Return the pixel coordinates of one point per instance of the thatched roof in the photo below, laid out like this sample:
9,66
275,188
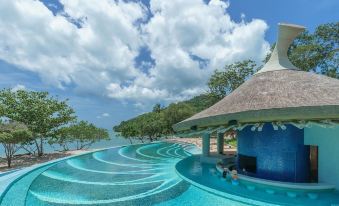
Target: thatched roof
278,92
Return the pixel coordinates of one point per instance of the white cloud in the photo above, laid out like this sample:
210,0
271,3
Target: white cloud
134,91
187,40
18,87
103,115
181,30
100,52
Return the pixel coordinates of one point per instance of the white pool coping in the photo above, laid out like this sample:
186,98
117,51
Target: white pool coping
285,185
221,193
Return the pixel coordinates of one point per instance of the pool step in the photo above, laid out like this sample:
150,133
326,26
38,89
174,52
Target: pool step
163,192
120,176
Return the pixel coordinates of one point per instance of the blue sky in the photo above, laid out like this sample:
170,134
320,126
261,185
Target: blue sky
115,59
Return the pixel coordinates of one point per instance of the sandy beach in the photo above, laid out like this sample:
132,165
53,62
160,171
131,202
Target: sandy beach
25,160
198,143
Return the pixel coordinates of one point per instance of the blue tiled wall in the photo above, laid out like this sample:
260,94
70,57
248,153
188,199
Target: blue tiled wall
281,154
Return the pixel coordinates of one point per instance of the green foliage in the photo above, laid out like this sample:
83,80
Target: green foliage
41,113
233,142
231,77
83,133
12,135
159,122
317,52
153,125
157,108
149,125
175,113
202,101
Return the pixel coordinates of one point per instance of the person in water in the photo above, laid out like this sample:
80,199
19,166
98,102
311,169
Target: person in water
235,177
227,174
224,173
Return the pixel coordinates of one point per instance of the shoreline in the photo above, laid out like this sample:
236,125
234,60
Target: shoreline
26,160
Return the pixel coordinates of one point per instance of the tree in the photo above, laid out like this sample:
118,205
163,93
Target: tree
175,113
41,113
83,134
149,126
12,134
202,101
152,126
126,130
231,77
157,108
317,52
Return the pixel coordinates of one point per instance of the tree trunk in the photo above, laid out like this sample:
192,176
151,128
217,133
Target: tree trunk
9,153
9,161
65,147
130,140
37,146
27,150
40,146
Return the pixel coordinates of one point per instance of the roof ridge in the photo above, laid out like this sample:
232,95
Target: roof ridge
279,59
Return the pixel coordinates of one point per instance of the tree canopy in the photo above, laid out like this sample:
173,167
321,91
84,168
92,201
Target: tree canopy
153,125
318,51
82,133
12,135
231,77
314,52
40,112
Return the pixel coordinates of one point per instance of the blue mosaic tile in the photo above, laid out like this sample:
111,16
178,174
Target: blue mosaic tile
281,154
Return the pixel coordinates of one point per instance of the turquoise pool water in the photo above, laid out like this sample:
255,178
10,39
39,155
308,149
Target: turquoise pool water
143,174
206,176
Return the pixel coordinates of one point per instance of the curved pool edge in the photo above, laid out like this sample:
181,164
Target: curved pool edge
8,180
215,191
286,185
206,177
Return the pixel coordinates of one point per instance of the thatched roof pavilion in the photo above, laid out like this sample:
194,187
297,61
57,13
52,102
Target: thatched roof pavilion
286,122
278,92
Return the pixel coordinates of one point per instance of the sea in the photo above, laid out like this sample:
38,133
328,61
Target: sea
115,140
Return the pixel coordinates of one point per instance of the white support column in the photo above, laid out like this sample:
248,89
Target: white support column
220,143
205,144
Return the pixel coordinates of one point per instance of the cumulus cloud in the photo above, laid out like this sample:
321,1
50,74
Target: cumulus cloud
102,50
92,46
182,34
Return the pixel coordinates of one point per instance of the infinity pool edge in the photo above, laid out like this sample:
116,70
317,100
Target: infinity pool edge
8,180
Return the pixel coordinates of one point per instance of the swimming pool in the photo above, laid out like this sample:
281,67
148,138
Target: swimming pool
143,174
248,191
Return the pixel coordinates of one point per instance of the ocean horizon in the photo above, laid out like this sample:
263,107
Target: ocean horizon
114,140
